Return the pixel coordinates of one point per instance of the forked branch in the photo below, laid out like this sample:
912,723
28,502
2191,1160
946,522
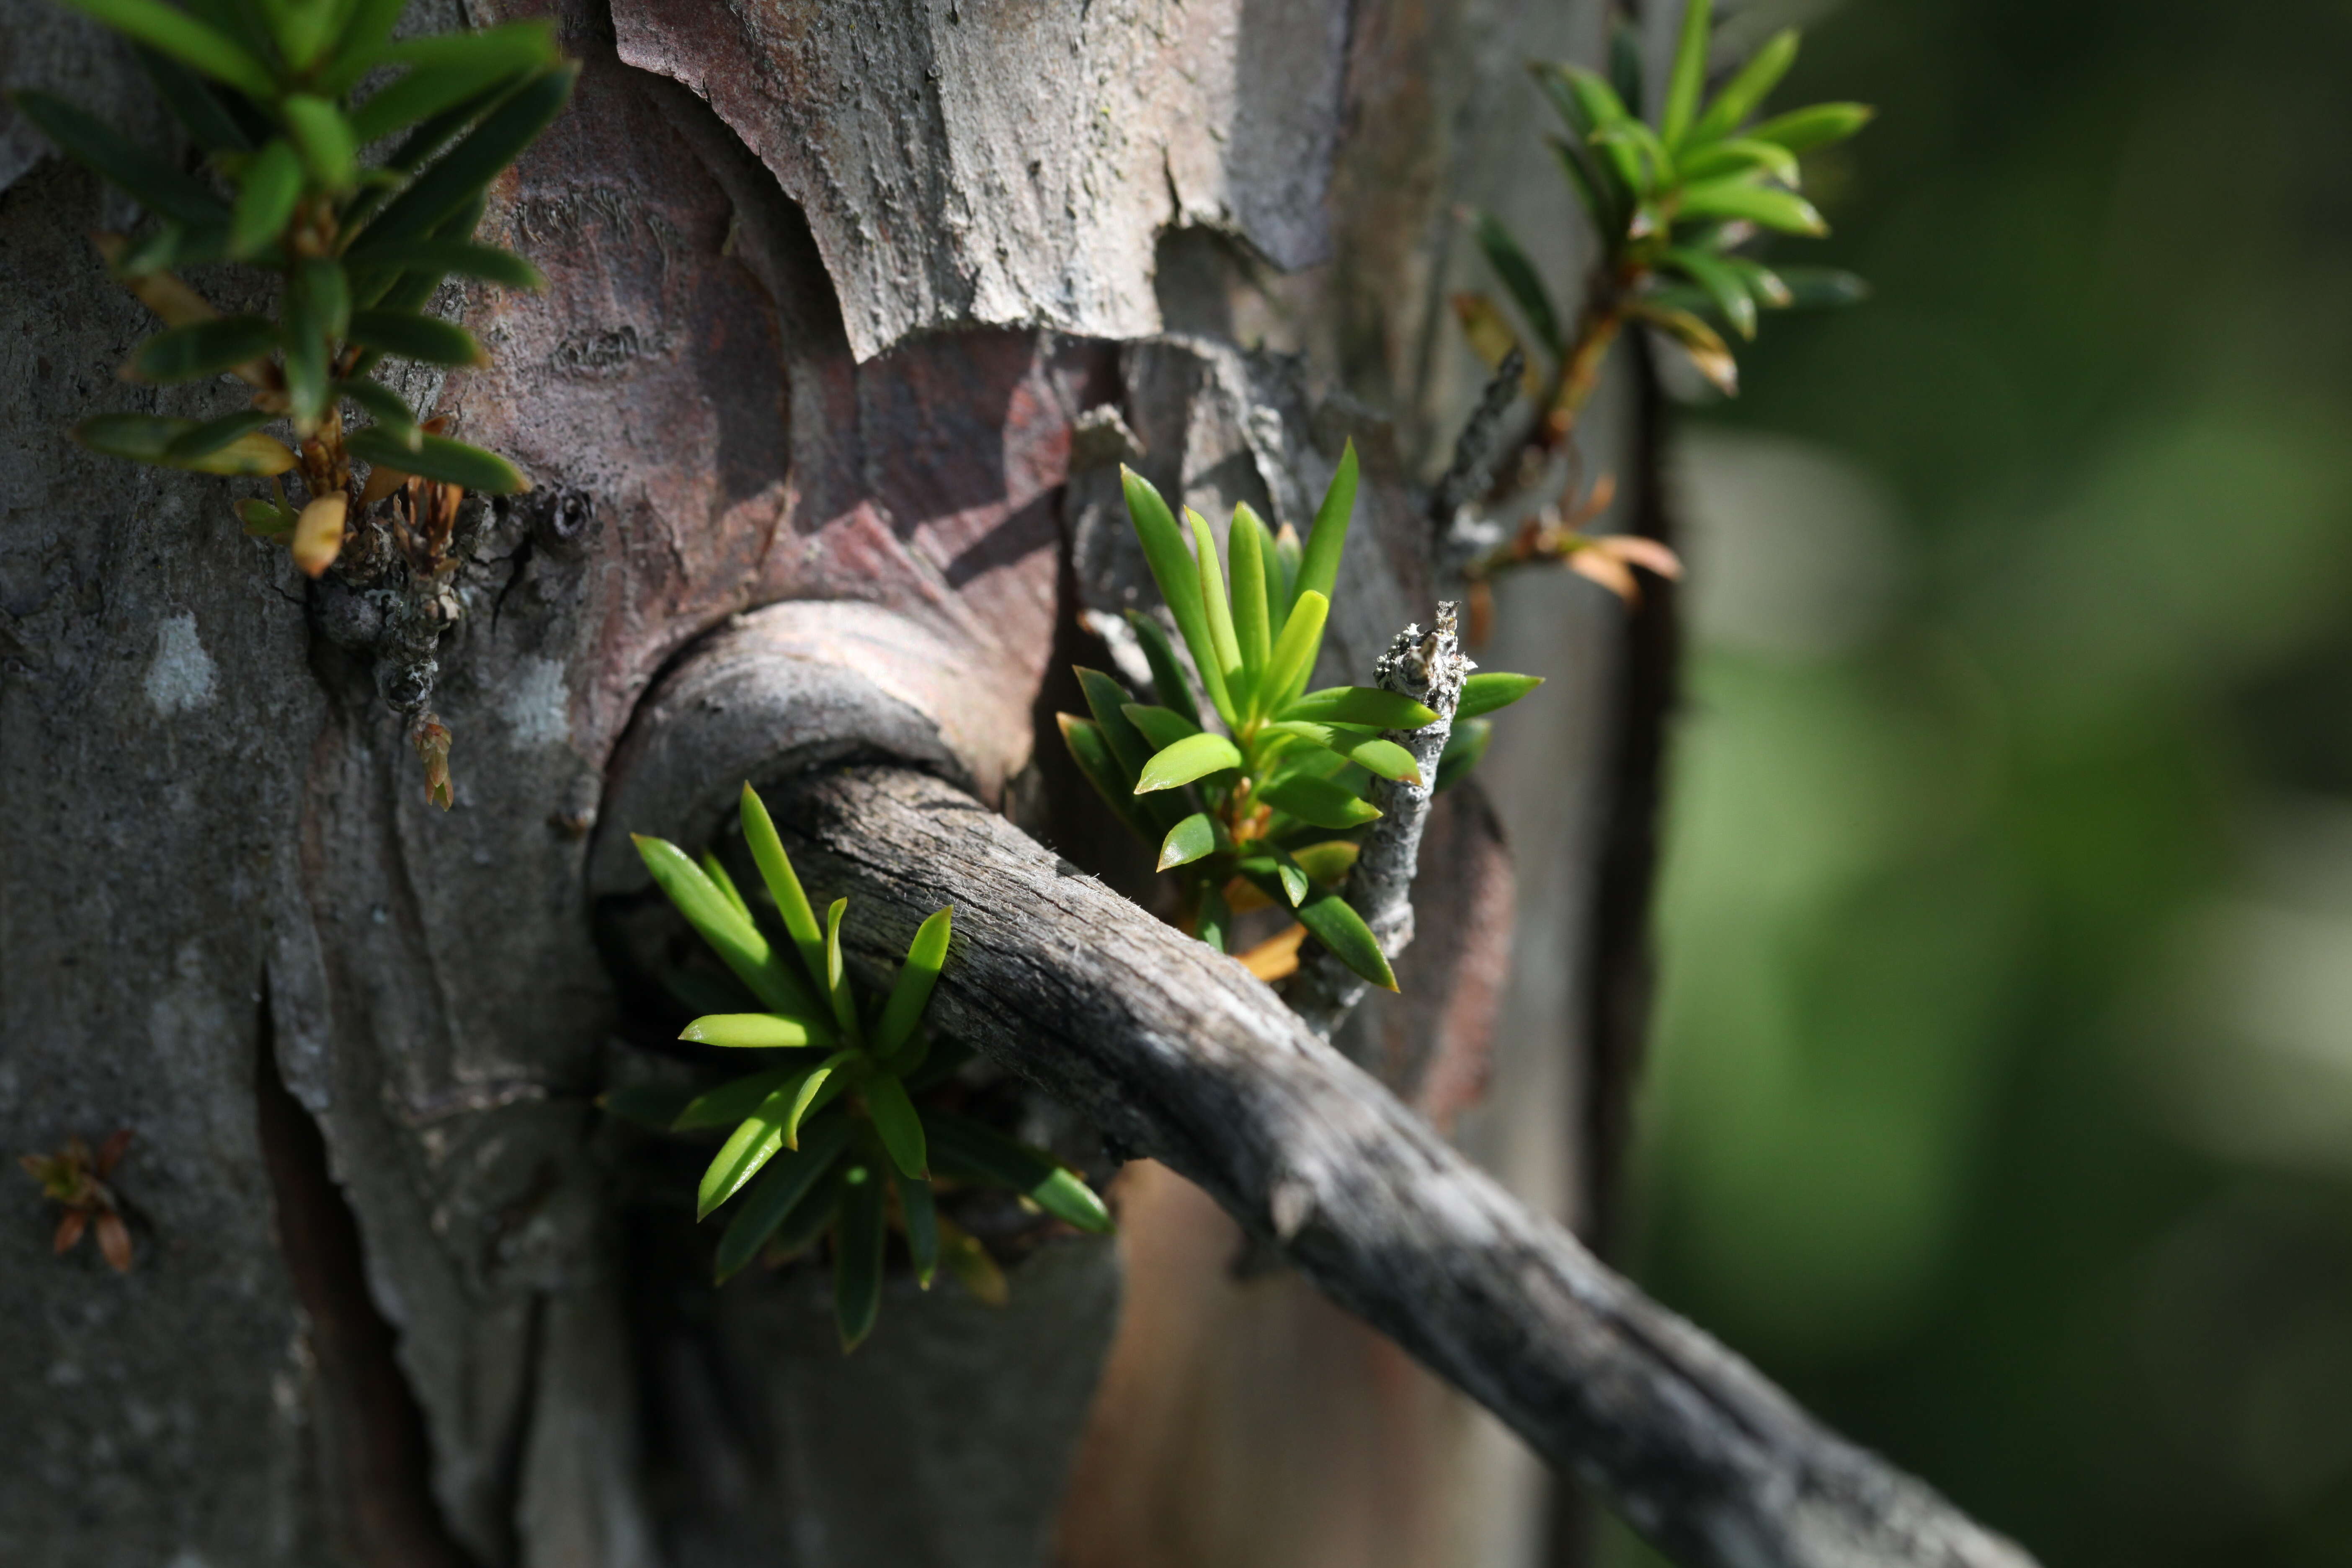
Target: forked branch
1178,1053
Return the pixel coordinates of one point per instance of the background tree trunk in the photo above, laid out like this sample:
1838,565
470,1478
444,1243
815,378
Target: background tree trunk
855,309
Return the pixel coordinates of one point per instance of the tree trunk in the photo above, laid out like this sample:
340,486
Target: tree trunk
855,311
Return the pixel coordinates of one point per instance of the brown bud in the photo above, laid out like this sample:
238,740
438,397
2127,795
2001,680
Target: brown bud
431,738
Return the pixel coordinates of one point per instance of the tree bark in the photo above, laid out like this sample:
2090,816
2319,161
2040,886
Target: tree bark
855,309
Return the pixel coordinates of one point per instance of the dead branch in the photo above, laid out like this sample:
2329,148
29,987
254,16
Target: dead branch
1476,450
1176,1052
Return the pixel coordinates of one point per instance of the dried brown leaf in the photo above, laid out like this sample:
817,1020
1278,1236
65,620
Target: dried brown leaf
1482,611
1244,897
1608,571
319,534
1597,500
114,1241
162,292
1276,958
1636,550
380,482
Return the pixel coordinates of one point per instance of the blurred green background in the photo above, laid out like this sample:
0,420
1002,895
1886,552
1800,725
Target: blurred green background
2001,1100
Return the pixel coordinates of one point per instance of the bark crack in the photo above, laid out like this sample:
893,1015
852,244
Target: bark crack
374,1455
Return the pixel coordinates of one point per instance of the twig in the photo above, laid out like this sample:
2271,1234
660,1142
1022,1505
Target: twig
1175,1051
1430,669
1470,541
1475,450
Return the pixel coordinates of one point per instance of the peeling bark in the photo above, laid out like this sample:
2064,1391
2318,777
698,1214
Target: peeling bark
374,1457
968,165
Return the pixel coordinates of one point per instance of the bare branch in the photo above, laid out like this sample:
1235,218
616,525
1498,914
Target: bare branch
1430,669
1176,1052
1480,443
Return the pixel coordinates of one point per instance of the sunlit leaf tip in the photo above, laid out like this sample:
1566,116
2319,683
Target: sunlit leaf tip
1193,757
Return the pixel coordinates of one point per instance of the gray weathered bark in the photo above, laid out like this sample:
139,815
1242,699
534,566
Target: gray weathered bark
1429,668
1178,1053
844,299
